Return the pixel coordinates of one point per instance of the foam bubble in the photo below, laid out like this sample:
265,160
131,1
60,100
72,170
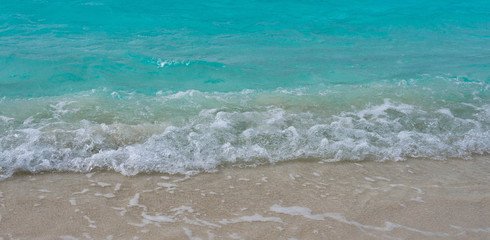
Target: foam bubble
172,62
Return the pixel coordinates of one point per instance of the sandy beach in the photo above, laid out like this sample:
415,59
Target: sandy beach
414,199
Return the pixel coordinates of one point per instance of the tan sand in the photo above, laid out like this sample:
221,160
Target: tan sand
415,199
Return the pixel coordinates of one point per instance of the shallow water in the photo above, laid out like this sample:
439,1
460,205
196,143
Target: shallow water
291,200
184,87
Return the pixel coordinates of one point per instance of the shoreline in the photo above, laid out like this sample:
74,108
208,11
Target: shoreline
413,199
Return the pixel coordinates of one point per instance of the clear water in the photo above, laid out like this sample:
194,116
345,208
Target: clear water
183,87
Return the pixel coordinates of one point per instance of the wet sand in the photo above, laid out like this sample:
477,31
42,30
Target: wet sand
414,199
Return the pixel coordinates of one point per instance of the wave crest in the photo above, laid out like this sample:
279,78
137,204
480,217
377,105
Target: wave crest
241,136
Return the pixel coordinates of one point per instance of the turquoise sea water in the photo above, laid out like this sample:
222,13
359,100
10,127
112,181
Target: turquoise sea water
181,87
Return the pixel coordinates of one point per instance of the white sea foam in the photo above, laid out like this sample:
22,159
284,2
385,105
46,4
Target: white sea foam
157,218
306,212
6,119
107,195
192,131
296,211
172,62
